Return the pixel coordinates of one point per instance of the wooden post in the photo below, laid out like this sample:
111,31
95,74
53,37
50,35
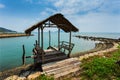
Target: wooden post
39,36
58,38
36,42
69,44
23,56
42,37
49,38
42,44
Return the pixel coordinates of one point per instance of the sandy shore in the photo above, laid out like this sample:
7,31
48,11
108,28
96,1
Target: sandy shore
99,53
8,35
14,71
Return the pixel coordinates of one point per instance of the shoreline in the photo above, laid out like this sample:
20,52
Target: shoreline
14,72
99,50
10,35
103,45
98,47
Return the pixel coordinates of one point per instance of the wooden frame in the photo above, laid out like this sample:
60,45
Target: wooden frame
60,22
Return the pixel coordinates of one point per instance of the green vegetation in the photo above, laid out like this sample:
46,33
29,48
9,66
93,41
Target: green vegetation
119,46
102,68
44,77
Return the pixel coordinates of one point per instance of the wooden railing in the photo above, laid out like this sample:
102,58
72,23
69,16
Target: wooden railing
66,46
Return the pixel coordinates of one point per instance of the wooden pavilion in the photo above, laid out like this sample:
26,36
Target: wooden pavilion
55,54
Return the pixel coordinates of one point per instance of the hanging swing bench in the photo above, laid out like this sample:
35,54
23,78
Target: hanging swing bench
52,53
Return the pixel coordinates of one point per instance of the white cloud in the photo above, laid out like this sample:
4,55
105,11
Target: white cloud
110,6
37,1
96,22
73,10
76,6
68,7
89,15
2,5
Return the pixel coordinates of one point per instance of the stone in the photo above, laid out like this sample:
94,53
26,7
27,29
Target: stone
21,78
33,76
14,77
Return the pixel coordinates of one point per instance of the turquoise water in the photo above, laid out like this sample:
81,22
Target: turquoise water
11,48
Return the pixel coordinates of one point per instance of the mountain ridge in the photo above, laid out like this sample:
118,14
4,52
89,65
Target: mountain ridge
4,30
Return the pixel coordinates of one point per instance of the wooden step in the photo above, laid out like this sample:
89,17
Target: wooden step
62,68
55,55
61,63
66,73
52,59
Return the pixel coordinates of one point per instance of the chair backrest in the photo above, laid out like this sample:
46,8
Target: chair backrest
66,46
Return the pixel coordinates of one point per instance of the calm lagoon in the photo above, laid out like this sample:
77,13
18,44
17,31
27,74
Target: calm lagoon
11,48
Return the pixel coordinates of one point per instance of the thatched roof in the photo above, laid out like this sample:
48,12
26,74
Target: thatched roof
57,19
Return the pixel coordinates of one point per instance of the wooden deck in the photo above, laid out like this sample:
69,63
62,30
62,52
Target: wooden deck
62,68
59,70
52,56
47,56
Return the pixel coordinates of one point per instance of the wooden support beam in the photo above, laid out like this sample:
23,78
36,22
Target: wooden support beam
49,38
42,37
42,44
58,38
49,34
36,42
39,36
23,56
53,26
69,44
49,25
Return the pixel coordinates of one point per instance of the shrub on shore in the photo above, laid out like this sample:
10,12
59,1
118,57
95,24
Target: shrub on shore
102,68
44,77
119,46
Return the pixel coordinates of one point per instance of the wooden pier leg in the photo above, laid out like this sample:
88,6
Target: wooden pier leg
36,42
58,38
42,43
69,44
39,36
49,38
42,37
23,56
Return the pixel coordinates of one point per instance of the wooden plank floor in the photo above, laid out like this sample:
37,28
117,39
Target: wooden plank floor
62,68
59,70
54,56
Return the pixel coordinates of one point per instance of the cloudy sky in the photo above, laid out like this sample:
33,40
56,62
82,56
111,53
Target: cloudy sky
87,15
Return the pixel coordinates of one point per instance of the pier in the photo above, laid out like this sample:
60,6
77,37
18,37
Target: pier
101,45
55,61
9,35
52,55
106,40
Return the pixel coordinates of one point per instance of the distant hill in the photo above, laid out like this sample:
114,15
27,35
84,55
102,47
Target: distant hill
4,30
